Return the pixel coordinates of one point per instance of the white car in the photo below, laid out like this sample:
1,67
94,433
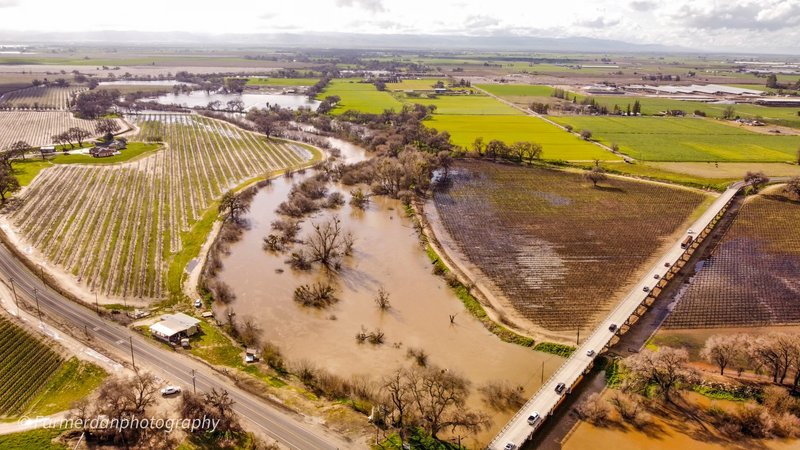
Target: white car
510,446
533,418
198,303
590,353
690,232
170,390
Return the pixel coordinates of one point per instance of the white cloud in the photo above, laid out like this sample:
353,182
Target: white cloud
761,24
373,6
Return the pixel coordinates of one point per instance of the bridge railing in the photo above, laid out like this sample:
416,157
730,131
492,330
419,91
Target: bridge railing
525,409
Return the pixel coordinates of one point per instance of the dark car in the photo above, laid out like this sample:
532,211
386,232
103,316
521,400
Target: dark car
612,327
560,387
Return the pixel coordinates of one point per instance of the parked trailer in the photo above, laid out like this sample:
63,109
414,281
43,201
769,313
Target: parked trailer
687,242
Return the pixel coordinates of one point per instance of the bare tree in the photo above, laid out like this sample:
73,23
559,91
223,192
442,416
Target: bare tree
214,405
593,410
234,205
397,394
142,391
79,135
596,174
327,242
722,350
502,395
630,409
8,183
382,299
19,149
439,397
768,352
665,367
793,187
107,127
756,180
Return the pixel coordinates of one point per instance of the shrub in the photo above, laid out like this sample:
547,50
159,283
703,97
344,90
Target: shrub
594,410
318,295
418,355
273,357
502,396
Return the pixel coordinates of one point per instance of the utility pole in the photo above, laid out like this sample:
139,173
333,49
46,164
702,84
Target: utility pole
86,331
36,296
14,290
542,372
133,361
194,384
578,340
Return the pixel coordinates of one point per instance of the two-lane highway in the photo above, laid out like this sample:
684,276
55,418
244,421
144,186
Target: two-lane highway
518,430
286,428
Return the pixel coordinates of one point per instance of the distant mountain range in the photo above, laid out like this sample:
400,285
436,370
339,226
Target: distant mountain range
337,41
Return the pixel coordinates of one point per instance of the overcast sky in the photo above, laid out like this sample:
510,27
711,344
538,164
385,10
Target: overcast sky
743,25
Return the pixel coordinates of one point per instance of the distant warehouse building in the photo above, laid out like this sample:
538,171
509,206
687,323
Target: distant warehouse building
174,327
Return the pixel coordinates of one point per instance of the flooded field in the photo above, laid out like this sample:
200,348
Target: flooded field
387,254
200,98
667,432
143,83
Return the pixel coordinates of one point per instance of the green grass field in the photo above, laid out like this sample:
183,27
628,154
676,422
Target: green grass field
653,105
518,90
134,150
359,96
26,170
74,380
467,104
684,139
424,84
653,171
556,143
282,81
41,439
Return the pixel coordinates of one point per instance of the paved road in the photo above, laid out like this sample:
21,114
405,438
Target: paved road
517,431
284,427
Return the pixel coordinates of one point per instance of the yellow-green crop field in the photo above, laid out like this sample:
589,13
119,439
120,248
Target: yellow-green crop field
684,139
557,144
260,81
467,104
359,96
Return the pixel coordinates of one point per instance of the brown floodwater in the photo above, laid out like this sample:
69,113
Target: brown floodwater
387,254
668,433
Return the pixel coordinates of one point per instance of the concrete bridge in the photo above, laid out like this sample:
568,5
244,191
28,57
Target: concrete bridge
545,401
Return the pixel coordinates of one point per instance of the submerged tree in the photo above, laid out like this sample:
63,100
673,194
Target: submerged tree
328,242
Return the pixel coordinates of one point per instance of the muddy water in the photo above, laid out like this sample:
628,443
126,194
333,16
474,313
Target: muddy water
200,98
387,253
669,433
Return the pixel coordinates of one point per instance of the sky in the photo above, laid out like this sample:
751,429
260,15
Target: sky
731,25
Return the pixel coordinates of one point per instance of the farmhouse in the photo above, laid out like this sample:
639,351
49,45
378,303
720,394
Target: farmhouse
109,149
173,327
